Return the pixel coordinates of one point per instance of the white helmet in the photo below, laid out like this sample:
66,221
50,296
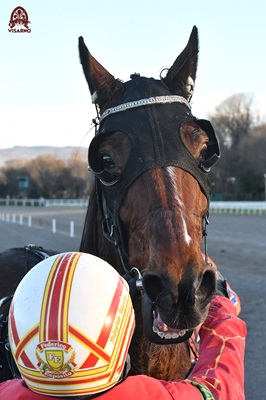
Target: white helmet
70,325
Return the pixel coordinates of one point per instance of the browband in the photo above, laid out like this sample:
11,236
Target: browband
145,102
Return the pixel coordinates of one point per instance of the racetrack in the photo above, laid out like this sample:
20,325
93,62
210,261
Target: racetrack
237,243
40,233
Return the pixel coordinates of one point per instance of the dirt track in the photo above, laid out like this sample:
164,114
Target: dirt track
237,243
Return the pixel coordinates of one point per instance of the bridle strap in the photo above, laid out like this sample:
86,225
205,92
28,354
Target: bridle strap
205,222
110,229
145,102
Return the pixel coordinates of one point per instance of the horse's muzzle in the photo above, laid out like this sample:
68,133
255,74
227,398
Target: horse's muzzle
174,337
172,310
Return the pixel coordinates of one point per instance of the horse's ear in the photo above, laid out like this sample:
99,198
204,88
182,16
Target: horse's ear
101,83
181,76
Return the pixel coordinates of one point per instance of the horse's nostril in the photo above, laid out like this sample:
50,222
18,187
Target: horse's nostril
153,286
207,285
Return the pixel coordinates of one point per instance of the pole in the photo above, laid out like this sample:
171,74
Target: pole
71,228
265,186
54,225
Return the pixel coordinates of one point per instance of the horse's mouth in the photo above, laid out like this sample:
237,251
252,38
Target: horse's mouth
156,330
164,331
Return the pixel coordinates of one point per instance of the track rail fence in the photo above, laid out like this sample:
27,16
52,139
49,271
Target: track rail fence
43,202
68,226
238,207
51,224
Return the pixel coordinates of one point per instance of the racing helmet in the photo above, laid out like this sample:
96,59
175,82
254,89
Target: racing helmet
70,325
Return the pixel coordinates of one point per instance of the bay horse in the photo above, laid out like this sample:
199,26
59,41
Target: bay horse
150,158
14,264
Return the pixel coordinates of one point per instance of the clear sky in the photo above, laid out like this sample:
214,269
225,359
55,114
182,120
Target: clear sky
44,99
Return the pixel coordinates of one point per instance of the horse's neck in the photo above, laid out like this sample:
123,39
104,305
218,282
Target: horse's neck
93,241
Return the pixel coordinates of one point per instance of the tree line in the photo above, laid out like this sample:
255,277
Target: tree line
239,174
47,177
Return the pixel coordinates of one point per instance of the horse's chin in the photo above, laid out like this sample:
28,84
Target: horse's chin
156,330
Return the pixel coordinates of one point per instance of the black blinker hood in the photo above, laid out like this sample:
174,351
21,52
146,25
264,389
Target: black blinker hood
154,131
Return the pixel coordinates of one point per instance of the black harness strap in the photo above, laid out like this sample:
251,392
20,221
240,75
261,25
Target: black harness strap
110,229
4,311
5,353
37,251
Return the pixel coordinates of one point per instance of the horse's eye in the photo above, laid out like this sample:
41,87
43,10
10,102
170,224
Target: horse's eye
204,150
107,162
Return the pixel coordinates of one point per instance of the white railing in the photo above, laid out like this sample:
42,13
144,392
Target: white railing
53,225
219,207
238,207
44,202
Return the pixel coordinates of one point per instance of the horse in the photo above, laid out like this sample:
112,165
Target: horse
149,204
14,264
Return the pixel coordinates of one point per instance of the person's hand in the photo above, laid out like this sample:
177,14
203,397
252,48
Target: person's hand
221,285
223,289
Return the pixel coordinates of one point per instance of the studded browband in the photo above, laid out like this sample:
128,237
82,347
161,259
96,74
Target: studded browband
145,102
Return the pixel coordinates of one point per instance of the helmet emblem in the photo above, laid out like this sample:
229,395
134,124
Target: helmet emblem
56,359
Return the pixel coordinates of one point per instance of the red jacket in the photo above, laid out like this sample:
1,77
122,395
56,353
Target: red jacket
218,374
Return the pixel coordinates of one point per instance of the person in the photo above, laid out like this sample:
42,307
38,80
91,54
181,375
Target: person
70,326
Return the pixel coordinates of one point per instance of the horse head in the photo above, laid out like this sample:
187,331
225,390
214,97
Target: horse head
151,158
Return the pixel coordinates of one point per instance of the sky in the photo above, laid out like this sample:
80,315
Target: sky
44,98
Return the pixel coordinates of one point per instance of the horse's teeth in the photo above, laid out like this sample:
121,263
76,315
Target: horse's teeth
175,335
168,335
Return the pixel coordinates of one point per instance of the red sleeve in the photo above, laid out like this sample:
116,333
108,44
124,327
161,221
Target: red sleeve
143,387
16,389
220,367
222,345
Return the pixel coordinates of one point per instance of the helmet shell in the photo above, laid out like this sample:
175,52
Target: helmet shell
70,325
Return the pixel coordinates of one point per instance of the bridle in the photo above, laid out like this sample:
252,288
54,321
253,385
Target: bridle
166,149
110,188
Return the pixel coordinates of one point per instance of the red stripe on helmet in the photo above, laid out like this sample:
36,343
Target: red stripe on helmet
20,346
101,353
92,359
57,303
